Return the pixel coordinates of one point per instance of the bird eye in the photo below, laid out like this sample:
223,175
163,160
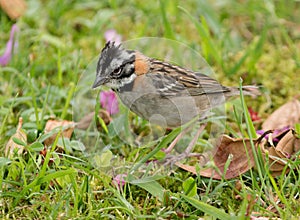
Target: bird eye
117,71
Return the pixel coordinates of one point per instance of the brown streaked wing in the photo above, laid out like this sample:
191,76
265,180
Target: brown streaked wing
172,80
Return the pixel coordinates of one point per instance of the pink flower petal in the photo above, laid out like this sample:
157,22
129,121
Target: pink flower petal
112,35
109,102
274,133
119,180
10,45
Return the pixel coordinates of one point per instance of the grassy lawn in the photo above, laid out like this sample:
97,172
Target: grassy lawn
112,168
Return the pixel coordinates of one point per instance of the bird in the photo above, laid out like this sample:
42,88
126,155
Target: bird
161,92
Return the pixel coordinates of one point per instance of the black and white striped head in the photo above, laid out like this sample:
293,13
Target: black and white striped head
115,67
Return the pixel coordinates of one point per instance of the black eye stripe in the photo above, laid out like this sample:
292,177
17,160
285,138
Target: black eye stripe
118,71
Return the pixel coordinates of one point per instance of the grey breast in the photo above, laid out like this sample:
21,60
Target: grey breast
169,111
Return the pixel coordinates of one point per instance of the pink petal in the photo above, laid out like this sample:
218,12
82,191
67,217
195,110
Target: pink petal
6,57
119,180
109,102
112,35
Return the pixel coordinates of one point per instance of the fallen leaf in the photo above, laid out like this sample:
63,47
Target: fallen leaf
251,201
19,136
289,144
279,204
13,8
66,126
277,141
241,159
279,155
85,122
286,115
258,217
237,189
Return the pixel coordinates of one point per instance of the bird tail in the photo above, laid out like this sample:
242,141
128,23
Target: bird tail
247,90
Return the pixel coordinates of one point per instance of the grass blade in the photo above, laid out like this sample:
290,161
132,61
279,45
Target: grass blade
161,145
206,38
70,95
167,26
207,209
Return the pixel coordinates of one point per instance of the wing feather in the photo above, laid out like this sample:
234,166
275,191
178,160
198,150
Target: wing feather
172,80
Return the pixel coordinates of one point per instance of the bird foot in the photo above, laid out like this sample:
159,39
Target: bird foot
171,160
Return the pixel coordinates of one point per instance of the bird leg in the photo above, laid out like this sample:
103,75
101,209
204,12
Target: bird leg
175,141
171,159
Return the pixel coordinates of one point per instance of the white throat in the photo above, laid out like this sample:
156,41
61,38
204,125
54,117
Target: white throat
118,83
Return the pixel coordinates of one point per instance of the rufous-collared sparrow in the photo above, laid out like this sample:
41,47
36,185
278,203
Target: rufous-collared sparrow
158,91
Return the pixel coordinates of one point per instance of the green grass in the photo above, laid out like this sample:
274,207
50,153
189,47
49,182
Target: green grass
256,41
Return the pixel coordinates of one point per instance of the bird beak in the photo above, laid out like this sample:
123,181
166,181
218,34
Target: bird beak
99,81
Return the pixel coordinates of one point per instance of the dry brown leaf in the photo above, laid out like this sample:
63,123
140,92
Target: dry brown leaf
208,172
287,146
287,115
11,146
13,8
67,127
241,159
85,122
